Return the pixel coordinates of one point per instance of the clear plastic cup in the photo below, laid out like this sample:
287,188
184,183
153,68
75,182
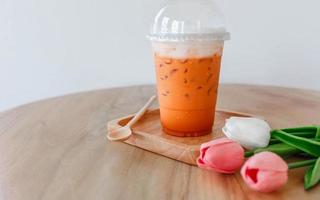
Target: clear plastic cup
187,39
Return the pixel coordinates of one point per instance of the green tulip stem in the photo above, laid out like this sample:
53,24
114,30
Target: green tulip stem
301,163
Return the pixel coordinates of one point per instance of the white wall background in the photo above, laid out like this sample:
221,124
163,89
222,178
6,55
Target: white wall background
53,47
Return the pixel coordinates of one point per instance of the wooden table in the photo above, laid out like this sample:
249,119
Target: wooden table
57,148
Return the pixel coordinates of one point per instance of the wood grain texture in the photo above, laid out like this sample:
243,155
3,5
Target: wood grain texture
57,148
148,135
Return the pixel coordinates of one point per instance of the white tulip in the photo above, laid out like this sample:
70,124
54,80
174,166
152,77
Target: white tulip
250,132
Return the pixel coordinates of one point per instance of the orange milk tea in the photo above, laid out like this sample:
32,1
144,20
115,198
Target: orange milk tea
187,84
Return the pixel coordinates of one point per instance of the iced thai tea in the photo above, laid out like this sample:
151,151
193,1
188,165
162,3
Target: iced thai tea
187,86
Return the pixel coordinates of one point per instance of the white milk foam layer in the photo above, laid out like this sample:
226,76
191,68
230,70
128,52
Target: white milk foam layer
187,49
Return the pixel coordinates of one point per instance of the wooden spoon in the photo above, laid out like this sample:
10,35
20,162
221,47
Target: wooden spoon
125,132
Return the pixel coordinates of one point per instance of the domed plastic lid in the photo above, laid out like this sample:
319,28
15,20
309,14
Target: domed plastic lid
189,20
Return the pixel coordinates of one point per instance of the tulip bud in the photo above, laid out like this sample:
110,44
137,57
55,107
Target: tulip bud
222,155
265,172
249,132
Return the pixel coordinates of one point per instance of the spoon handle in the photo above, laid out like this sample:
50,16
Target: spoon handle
141,112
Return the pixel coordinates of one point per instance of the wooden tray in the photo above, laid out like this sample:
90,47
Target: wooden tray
148,134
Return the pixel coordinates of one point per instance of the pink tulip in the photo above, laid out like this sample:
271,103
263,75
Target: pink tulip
265,172
221,155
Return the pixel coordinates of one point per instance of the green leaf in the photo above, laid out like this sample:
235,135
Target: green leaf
312,176
310,129
309,146
276,141
310,134
318,133
307,178
305,131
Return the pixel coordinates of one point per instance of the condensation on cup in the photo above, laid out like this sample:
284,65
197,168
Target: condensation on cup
187,38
